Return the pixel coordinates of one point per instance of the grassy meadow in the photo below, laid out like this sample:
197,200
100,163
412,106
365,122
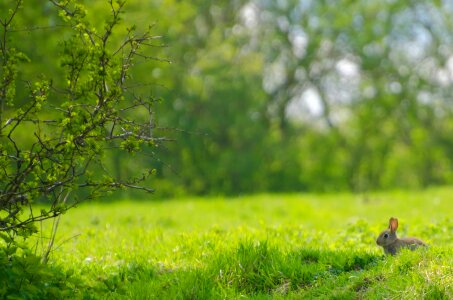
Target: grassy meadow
297,246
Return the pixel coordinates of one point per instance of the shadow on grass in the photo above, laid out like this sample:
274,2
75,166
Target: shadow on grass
254,269
260,270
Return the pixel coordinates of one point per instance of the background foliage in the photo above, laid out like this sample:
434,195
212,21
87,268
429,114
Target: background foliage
283,95
306,95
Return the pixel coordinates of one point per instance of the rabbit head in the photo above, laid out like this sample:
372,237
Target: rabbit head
388,236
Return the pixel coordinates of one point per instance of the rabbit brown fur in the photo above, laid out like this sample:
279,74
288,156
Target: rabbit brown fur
392,244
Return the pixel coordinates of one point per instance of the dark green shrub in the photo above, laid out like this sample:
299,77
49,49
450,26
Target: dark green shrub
24,276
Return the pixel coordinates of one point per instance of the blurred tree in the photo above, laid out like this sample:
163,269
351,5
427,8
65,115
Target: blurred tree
353,77
306,95
217,102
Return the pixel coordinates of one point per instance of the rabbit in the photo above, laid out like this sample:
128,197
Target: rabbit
392,244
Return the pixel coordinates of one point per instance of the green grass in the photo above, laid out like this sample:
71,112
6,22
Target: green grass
258,247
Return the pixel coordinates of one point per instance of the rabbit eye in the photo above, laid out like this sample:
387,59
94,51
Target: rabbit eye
386,235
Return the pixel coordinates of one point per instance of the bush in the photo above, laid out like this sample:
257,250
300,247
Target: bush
24,276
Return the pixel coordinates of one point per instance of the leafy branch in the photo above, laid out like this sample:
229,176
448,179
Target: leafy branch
54,146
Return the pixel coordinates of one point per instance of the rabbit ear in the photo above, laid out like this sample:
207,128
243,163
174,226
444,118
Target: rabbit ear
393,224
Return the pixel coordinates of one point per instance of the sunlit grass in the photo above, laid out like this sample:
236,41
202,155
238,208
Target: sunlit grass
275,246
